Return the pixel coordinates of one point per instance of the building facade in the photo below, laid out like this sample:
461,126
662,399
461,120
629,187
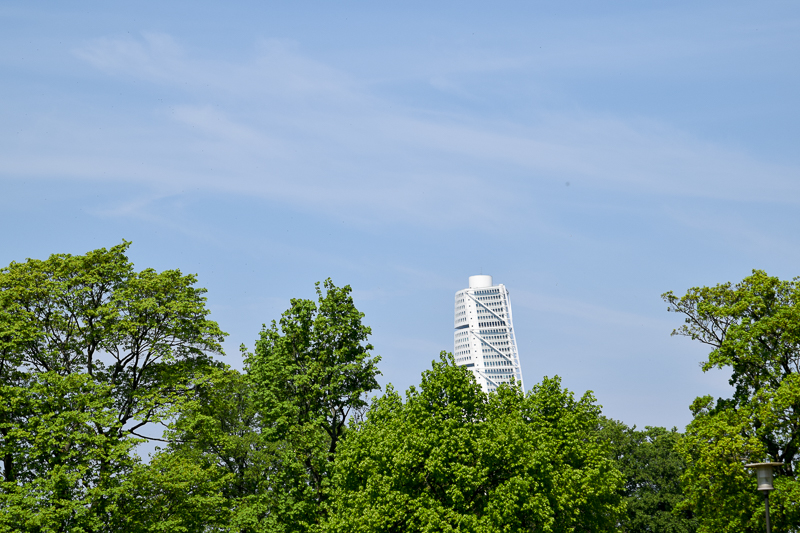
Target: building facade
484,339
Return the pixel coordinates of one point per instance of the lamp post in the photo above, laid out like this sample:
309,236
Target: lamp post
764,477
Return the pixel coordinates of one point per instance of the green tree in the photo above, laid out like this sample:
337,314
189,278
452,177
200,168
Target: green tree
452,458
652,466
67,475
90,352
221,435
753,330
173,493
309,372
263,440
719,490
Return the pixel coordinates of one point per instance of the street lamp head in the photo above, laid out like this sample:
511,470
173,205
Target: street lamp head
764,474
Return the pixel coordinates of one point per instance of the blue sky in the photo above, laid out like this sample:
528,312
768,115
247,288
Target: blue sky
590,156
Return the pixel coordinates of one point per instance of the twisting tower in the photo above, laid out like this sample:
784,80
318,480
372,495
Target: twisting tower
484,338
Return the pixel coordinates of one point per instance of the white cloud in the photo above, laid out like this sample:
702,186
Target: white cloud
291,129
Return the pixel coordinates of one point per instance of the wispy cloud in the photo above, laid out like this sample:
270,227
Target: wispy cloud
291,129
276,69
587,312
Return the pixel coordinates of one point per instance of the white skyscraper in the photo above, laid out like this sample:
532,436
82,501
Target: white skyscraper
484,338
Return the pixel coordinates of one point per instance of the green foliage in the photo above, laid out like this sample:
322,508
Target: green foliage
174,494
314,367
451,458
652,467
222,428
753,329
309,373
143,333
256,448
63,472
221,433
90,352
719,490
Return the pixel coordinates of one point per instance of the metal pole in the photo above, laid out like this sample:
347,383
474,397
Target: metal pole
766,509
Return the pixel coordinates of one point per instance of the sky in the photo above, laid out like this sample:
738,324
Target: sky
589,155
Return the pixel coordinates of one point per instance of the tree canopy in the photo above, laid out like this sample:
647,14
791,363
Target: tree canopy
261,444
91,351
652,465
452,458
753,329
310,371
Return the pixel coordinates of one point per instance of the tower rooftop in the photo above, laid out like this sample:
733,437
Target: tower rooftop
480,281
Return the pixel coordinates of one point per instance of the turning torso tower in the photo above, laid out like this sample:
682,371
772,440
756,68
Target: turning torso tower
484,338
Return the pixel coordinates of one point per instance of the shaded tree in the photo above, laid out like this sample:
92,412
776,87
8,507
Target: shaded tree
220,439
652,465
